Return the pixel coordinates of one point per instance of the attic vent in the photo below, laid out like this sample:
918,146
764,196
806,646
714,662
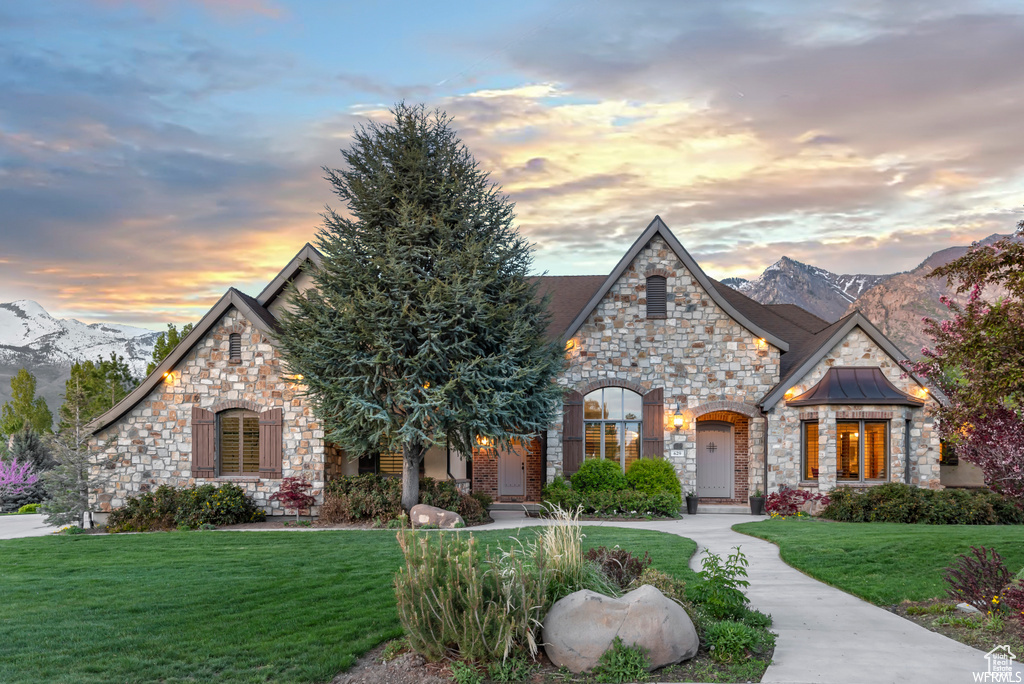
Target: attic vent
656,307
235,346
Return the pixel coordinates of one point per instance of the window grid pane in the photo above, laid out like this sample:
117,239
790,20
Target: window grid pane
592,404
613,403
874,451
592,440
810,451
632,443
848,451
250,444
612,441
230,441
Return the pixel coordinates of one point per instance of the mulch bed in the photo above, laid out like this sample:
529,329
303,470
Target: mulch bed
979,635
411,668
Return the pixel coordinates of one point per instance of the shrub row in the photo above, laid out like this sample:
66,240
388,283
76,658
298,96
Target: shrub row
168,507
900,503
375,497
649,487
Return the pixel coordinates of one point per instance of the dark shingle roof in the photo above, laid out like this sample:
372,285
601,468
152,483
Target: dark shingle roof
569,294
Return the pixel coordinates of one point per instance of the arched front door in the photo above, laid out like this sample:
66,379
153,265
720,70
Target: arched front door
715,460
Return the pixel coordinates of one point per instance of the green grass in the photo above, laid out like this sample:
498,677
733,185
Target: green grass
216,606
883,563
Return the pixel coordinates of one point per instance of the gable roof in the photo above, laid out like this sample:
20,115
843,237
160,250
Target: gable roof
658,227
276,286
246,305
813,349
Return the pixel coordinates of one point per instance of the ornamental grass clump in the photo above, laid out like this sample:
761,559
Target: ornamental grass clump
455,601
561,544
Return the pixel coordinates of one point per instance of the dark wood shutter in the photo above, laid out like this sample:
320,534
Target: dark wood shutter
572,433
656,297
654,423
204,443
271,441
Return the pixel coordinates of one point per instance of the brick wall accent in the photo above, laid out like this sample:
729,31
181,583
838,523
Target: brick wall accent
227,405
485,472
611,382
741,457
863,415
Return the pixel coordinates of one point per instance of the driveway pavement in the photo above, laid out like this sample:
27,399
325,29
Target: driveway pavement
14,526
824,634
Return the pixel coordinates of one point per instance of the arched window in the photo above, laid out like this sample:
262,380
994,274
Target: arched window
657,298
235,347
612,427
238,443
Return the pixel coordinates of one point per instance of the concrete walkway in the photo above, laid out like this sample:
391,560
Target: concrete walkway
824,634
15,526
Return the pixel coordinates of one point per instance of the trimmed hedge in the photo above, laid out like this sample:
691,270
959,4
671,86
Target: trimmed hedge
599,475
654,476
656,490
375,497
900,503
167,507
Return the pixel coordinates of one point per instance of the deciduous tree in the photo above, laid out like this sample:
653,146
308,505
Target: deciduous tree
977,361
423,325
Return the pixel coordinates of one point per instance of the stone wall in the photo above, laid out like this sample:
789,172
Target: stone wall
857,349
698,354
152,444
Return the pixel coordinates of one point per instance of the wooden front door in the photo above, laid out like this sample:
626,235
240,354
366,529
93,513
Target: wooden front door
512,472
715,460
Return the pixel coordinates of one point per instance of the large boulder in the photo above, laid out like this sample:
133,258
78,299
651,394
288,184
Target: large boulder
422,514
582,626
812,508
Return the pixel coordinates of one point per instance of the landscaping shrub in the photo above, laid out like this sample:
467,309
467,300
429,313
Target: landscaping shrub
619,565
788,501
668,585
731,640
622,663
561,547
1012,600
612,503
369,496
598,475
900,503
29,508
168,508
720,592
976,578
654,476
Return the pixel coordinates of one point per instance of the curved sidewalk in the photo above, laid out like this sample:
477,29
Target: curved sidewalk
825,635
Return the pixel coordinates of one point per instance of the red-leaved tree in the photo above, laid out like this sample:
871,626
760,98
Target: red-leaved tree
977,361
16,477
293,494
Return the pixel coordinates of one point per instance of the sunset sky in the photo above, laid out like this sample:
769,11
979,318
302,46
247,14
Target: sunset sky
154,153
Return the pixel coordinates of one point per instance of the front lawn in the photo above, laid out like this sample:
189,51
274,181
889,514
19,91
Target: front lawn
217,606
884,563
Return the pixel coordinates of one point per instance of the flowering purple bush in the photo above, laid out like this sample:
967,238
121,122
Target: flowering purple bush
789,501
16,477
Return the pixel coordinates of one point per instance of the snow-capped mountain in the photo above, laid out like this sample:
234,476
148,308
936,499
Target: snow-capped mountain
823,293
31,338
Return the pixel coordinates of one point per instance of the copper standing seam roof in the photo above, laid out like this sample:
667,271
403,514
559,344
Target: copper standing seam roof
855,385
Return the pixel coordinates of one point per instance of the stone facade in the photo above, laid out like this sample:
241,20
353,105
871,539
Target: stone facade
152,444
698,354
856,349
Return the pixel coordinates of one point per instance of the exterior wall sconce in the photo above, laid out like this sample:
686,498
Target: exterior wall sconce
570,345
484,442
678,421
168,376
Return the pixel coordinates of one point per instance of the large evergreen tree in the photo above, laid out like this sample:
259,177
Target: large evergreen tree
165,342
423,325
25,408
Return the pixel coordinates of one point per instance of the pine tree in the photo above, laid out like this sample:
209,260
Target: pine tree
79,466
165,342
423,326
25,408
